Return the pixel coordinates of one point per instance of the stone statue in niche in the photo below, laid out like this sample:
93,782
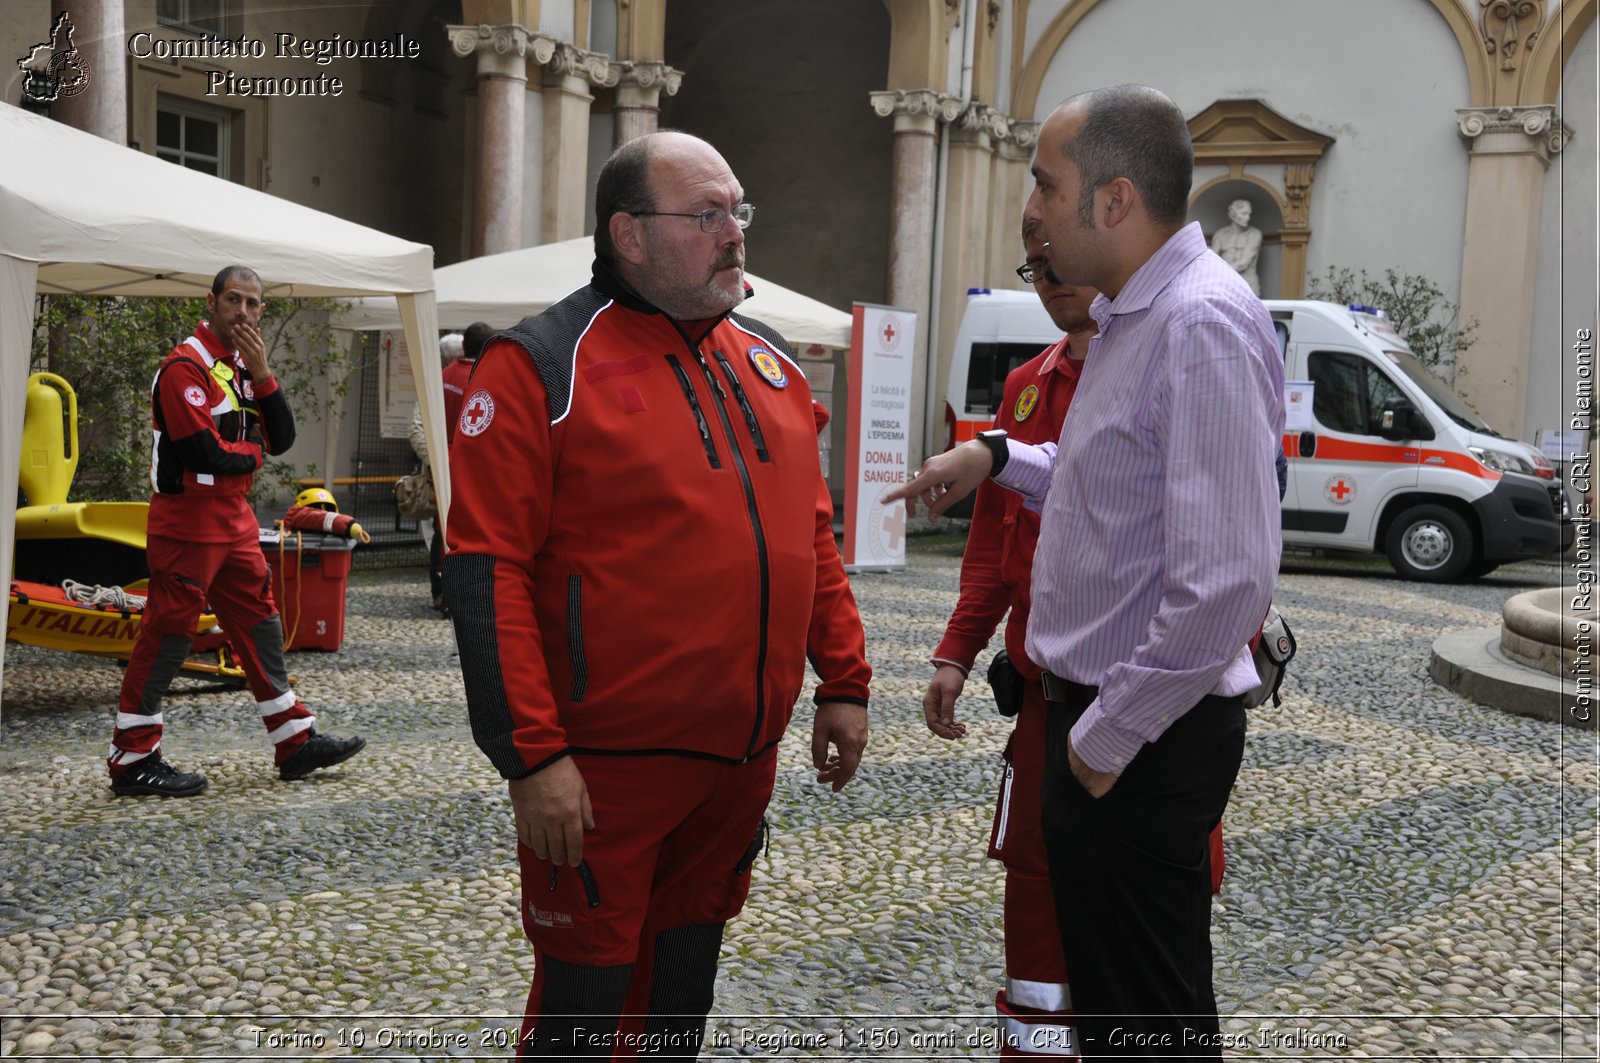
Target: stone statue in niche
1239,243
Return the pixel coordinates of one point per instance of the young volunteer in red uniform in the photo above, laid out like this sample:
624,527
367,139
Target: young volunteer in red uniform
1035,1005
217,409
641,561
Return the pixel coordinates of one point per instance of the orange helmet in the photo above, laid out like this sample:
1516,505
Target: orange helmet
317,498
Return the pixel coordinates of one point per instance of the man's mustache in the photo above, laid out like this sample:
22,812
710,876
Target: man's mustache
733,258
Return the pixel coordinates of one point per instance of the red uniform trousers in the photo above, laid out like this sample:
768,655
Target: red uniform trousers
1036,1004
183,577
672,849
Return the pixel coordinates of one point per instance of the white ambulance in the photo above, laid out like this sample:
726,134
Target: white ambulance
1383,456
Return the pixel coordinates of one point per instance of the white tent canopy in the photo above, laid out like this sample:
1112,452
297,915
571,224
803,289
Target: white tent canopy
82,215
503,289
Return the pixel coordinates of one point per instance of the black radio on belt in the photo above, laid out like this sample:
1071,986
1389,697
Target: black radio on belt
1007,684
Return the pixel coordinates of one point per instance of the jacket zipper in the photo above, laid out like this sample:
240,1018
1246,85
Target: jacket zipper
750,421
761,545
580,668
1005,807
694,407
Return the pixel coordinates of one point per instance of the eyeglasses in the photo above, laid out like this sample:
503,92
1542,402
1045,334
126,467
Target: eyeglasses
713,220
1037,270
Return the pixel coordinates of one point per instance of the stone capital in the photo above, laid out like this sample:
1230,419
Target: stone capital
502,51
981,118
1535,130
916,103
1022,135
651,74
596,68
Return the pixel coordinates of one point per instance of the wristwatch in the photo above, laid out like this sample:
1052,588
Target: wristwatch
995,440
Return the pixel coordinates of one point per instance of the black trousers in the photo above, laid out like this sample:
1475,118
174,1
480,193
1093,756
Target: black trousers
1131,876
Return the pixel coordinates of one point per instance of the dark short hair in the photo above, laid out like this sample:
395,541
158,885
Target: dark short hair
473,339
227,272
623,187
1136,132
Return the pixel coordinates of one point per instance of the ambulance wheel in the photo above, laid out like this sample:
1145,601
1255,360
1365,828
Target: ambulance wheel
1430,543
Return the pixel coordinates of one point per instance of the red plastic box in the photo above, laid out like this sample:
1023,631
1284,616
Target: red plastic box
309,581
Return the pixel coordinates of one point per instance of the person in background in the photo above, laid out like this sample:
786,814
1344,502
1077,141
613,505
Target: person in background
217,410
451,347
1035,1005
459,372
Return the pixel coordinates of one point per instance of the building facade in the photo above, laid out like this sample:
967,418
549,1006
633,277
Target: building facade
887,142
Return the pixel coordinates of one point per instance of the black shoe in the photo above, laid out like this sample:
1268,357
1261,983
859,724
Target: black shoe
154,777
319,751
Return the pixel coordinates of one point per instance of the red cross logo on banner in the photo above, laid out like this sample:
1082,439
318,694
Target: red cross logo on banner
889,332
894,526
476,413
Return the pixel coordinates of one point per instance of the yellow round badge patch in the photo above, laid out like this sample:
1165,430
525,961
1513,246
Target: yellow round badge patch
1026,402
769,367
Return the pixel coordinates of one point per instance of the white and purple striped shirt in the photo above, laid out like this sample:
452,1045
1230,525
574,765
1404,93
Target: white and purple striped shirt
1160,539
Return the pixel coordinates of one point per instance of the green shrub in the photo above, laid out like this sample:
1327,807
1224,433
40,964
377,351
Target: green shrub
1416,306
108,349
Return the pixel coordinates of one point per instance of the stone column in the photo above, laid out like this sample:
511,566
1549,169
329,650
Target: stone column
568,73
1511,148
913,179
639,90
917,114
101,106
1011,184
502,53
968,239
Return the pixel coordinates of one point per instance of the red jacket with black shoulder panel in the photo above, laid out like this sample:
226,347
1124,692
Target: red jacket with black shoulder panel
212,424
641,543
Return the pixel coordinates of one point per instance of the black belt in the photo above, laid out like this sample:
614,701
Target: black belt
1060,691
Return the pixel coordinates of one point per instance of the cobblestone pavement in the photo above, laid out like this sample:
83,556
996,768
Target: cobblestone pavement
1409,875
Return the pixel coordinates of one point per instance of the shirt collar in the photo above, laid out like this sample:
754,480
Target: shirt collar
1054,357
1150,279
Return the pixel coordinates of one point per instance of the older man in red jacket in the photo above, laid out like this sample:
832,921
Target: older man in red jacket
641,562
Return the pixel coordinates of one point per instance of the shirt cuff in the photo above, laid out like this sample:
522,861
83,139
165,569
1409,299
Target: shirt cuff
1027,470
1101,743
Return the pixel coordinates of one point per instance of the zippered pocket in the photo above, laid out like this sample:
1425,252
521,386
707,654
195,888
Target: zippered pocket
1005,807
750,422
762,839
580,667
700,421
591,888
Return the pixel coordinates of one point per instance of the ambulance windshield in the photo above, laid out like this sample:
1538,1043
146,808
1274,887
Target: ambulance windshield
1439,392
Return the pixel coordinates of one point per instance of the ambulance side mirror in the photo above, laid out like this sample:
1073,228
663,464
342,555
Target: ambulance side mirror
1401,420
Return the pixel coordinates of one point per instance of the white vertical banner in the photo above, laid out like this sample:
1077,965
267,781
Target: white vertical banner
882,342
397,388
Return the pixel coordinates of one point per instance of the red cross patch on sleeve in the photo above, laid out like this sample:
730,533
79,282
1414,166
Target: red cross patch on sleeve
476,413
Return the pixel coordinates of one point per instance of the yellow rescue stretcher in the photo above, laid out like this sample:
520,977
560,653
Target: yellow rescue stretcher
99,542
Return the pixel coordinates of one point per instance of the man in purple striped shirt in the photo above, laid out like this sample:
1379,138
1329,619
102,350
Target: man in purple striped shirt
1157,557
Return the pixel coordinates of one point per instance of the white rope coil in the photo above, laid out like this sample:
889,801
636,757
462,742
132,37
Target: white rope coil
116,597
